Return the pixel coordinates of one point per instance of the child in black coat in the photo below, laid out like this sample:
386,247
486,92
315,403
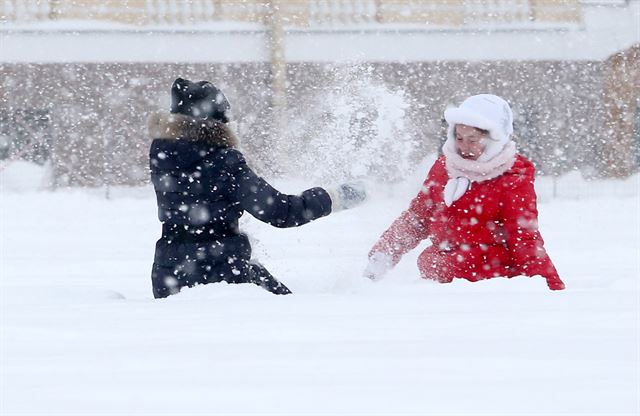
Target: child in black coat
203,185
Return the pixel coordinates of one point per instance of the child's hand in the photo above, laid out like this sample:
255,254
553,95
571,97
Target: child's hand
379,264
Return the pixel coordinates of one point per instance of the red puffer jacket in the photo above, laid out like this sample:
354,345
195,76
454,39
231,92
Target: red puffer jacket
492,230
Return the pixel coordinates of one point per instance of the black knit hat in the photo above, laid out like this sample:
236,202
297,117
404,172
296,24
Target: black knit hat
199,100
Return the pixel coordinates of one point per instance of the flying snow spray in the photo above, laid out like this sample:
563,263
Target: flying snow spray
353,128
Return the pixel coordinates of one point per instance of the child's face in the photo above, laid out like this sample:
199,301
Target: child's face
469,141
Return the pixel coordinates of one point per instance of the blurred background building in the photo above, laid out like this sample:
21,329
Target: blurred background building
80,76
301,13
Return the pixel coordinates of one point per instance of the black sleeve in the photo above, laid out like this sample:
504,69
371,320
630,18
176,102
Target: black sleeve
267,204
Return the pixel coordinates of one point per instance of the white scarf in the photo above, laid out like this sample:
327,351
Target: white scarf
462,172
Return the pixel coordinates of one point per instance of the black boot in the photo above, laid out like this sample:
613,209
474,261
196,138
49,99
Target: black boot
261,277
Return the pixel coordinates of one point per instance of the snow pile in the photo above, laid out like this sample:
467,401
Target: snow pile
20,176
339,345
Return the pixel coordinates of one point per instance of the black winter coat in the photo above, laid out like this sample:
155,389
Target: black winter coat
203,186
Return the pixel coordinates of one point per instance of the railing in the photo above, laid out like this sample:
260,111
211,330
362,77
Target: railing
480,12
24,11
296,13
322,12
193,11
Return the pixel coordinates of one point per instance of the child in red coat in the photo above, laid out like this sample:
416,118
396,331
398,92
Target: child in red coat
477,206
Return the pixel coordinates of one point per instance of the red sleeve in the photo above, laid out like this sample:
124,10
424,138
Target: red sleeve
524,241
410,228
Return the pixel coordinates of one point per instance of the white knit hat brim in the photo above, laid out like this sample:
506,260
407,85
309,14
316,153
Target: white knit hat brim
493,144
461,115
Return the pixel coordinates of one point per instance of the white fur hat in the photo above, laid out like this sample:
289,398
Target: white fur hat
487,112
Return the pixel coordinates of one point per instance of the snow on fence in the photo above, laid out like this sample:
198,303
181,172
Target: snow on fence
574,186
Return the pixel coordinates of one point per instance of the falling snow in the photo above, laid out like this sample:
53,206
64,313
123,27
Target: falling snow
362,101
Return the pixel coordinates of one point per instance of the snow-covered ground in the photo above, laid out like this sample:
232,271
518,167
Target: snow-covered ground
81,335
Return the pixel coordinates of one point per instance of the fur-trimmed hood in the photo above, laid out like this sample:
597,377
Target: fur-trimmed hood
165,125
